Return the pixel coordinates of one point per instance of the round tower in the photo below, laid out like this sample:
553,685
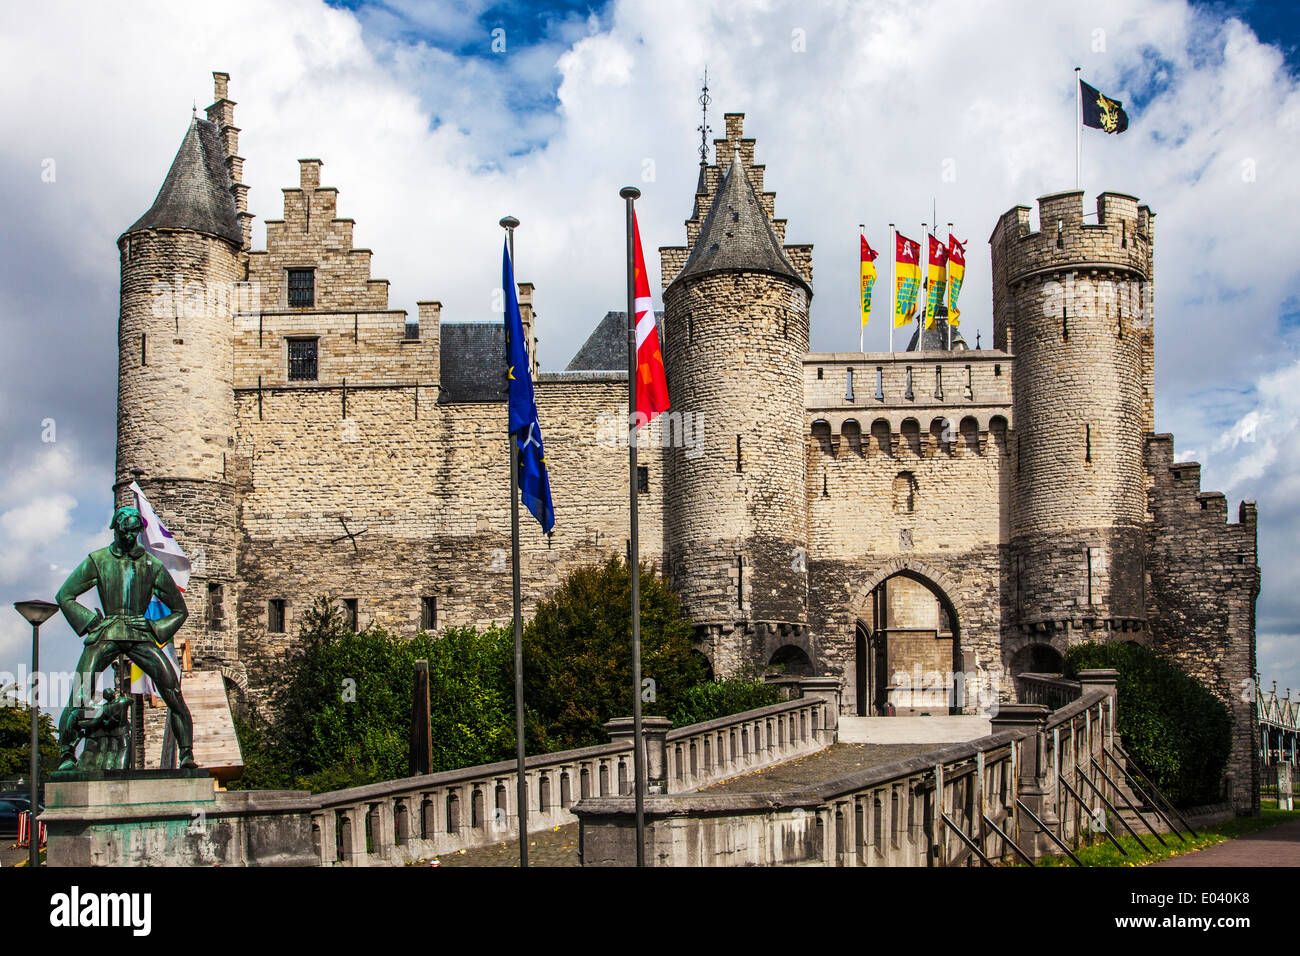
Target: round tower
736,332
181,263
1072,303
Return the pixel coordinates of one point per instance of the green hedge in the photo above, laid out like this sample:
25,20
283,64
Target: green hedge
1178,732
722,698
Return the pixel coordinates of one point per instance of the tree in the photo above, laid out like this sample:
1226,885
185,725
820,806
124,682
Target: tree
16,737
1178,731
578,655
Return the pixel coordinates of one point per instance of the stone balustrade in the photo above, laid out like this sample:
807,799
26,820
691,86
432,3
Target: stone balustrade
1047,689
414,818
949,807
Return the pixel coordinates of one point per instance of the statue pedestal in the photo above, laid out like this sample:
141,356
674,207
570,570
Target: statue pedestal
172,818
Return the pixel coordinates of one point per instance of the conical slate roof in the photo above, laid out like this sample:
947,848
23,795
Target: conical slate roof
196,193
936,337
736,236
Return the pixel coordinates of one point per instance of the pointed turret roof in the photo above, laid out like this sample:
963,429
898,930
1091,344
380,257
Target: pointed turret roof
196,194
736,236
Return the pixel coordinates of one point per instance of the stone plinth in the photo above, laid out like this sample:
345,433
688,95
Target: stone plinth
173,818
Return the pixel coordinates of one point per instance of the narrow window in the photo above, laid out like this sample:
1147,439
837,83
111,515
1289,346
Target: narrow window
1089,558
1065,323
880,384
907,392
1087,443
1123,234
216,609
350,612
302,288
938,381
740,582
303,365
428,613
642,480
825,492
819,373
997,370
144,355
275,616
848,394
739,468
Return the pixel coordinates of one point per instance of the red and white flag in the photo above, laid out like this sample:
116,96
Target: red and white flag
651,384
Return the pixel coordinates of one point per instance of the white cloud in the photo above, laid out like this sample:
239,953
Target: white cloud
856,127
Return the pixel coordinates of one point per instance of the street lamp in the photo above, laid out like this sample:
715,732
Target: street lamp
36,613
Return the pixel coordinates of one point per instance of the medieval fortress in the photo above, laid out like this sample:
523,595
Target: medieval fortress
901,521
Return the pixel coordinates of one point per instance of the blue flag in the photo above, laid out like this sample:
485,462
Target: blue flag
534,483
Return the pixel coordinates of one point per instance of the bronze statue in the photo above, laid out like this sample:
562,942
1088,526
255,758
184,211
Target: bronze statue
106,730
126,577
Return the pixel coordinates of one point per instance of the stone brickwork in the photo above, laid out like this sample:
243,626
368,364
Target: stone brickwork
1204,580
962,507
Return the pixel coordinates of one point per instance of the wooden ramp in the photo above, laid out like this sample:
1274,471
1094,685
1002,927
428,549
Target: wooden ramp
215,745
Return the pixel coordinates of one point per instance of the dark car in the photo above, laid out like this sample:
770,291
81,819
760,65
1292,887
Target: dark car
10,807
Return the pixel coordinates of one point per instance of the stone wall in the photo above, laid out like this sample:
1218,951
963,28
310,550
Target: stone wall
1204,580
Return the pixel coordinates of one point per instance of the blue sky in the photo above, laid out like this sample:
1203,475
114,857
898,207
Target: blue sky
431,136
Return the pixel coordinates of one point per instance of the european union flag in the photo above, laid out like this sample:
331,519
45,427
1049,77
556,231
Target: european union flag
534,483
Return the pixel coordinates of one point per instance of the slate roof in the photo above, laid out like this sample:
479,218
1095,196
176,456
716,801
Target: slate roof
736,236
473,362
936,338
197,192
606,347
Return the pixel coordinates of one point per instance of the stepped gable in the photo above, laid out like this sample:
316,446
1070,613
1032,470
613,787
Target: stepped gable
737,236
196,194
473,362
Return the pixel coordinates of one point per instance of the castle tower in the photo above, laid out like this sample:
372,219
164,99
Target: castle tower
1072,303
183,263
736,331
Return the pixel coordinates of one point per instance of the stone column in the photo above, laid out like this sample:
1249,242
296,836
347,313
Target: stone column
1284,800
1107,680
1033,785
654,733
827,689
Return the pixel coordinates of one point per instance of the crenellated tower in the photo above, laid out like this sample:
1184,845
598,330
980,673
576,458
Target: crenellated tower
183,265
1072,302
736,331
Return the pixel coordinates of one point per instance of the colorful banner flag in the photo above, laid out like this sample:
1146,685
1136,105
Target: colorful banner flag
956,272
937,279
158,541
868,277
534,482
907,278
651,383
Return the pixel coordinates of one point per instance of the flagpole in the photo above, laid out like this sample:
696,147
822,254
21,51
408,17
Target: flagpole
862,329
509,223
893,291
631,194
947,317
923,256
1078,129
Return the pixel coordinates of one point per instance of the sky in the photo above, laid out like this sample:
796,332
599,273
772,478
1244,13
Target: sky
435,120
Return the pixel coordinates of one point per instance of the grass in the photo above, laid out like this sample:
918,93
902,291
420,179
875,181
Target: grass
1101,852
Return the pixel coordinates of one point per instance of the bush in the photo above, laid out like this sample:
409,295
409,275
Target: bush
578,655
713,699
341,707
1177,731
16,737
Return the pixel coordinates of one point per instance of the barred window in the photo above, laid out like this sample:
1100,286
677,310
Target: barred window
302,287
642,480
275,616
302,360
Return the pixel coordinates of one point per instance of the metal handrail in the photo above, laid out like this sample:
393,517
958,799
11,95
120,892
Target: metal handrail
1044,828
1008,841
1127,802
1155,791
1105,830
1119,816
965,839
1132,782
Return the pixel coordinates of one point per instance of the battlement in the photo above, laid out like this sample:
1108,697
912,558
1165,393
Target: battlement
1176,493
1119,242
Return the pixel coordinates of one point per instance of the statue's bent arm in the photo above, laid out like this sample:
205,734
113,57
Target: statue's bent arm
79,582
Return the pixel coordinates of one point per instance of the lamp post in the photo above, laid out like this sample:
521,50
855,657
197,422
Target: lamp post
36,613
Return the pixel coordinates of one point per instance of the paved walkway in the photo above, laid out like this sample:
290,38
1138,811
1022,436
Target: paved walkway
838,760
558,847
1276,846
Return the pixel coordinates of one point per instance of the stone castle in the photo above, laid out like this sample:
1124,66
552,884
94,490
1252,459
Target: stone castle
902,521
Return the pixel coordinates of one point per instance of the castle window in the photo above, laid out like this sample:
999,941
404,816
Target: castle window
819,373
216,609
739,466
907,392
143,353
303,360
275,616
350,612
880,384
997,369
302,288
904,493
428,613
848,394
1087,443
642,480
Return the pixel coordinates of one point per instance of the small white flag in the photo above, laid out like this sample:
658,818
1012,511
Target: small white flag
159,542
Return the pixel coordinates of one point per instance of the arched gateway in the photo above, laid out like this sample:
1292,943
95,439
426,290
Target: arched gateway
907,643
